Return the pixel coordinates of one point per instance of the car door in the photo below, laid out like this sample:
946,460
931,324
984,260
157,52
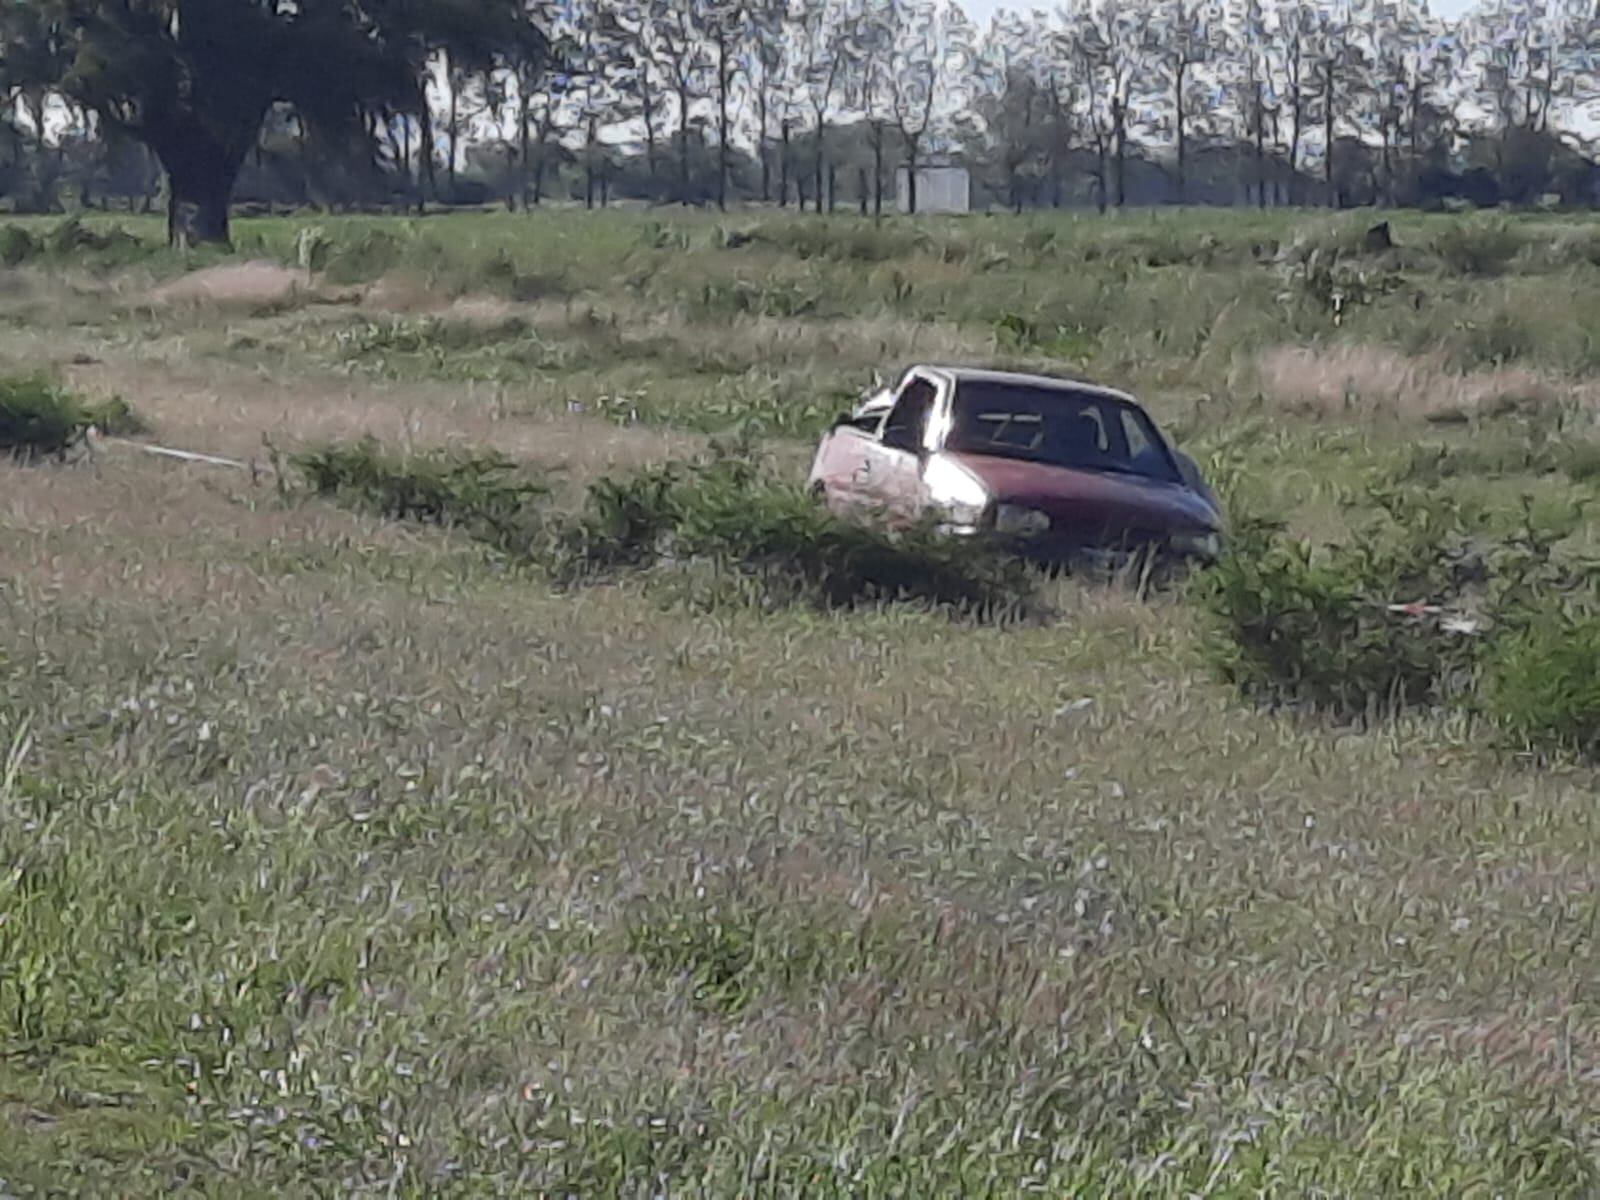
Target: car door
841,463
891,478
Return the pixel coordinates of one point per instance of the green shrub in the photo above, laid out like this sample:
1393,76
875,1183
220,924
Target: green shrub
1541,684
483,493
837,241
17,246
725,512
115,418
427,335
772,298
39,418
1293,624
1482,458
1504,337
1580,459
368,257
1478,248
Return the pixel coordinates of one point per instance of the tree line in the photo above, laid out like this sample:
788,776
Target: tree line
814,103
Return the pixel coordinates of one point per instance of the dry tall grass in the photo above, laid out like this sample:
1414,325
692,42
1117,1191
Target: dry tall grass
1361,382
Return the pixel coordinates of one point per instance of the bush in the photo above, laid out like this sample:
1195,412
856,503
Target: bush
17,246
1292,624
1503,338
1478,248
1541,684
368,257
837,241
482,493
724,512
116,418
432,336
773,298
39,419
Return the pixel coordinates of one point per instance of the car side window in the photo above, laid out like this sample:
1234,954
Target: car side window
908,420
1139,445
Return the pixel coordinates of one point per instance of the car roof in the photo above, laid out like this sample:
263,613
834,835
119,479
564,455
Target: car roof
959,375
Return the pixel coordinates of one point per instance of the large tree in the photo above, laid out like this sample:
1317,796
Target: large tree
194,79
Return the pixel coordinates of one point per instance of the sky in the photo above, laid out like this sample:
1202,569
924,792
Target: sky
981,10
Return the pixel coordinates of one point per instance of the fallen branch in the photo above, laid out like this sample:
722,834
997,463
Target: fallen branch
255,467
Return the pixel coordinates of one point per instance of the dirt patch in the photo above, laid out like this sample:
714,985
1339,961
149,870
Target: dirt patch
245,285
403,294
1372,381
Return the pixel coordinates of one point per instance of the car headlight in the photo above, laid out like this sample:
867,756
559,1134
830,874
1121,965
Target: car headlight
1018,521
956,491
1201,545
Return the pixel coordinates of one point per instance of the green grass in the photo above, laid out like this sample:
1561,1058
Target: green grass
335,856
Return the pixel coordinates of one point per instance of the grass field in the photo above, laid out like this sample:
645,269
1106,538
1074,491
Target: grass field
340,854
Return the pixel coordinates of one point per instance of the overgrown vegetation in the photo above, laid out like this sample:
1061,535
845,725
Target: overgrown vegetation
1542,683
726,512
483,493
41,419
1414,610
1314,626
336,856
723,512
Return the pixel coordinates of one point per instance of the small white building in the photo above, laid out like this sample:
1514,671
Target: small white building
940,189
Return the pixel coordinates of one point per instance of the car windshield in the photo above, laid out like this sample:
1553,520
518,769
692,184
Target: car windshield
1056,425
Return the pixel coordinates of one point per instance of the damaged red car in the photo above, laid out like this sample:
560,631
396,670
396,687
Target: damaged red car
1057,468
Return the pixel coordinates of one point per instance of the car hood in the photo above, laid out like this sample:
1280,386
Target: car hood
1093,501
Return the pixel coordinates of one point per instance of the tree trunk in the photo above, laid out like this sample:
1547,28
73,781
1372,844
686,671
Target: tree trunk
724,82
821,162
200,188
1182,130
911,173
683,146
761,145
523,142
455,138
1119,148
430,181
647,107
861,189
1294,154
1327,131
877,168
783,166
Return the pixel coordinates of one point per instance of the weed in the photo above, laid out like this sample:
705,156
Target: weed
427,336
1541,683
848,241
39,419
1291,623
483,493
773,298
1478,248
17,246
725,511
735,949
369,256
